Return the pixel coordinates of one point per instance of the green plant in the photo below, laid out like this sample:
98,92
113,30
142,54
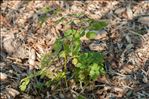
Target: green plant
88,66
85,66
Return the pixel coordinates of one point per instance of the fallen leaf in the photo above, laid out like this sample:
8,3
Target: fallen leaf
144,20
12,92
32,57
3,76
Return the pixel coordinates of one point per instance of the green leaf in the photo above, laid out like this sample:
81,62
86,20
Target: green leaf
76,46
97,25
81,66
39,85
67,48
58,45
24,83
75,61
102,70
60,76
69,32
77,42
62,54
82,32
94,72
77,35
91,35
48,83
81,75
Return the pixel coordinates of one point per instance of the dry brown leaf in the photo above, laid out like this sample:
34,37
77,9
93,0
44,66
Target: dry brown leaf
3,21
129,13
3,76
127,68
97,46
144,20
101,35
32,58
12,92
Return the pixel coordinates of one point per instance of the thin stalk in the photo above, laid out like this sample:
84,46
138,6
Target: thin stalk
65,70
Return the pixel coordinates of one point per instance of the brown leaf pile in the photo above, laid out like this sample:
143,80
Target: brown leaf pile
124,43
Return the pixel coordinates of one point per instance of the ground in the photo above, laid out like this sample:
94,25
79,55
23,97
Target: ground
124,43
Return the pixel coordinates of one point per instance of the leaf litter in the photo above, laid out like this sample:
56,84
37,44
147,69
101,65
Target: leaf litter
124,43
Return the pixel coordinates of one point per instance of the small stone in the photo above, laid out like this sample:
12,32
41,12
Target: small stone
3,76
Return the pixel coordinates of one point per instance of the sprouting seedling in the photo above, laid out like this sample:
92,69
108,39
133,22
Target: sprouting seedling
86,66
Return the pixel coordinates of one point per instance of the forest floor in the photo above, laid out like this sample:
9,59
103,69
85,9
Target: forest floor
124,43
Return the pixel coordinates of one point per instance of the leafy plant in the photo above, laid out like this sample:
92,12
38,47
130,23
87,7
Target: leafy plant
89,65
25,81
85,66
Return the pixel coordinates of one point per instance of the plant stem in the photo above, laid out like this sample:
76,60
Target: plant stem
65,70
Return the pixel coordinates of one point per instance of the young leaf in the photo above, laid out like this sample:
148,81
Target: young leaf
75,61
24,83
39,85
58,45
60,76
91,35
62,54
94,72
77,35
97,25
81,75
81,66
69,32
82,32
